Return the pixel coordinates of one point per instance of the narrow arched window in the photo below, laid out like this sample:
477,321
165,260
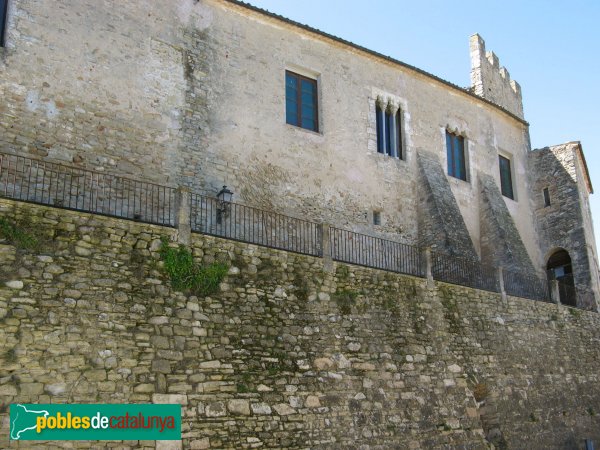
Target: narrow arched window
389,136
399,150
380,128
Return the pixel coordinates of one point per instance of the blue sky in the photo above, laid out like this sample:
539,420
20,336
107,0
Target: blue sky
551,48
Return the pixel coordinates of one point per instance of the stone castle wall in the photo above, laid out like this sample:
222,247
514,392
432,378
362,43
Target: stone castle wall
192,93
492,81
286,354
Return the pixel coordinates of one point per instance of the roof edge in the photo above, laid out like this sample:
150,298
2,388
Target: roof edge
586,172
370,52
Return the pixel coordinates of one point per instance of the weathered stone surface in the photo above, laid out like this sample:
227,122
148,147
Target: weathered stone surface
8,390
216,409
497,225
56,388
441,224
170,399
238,406
440,356
283,409
260,409
312,401
200,444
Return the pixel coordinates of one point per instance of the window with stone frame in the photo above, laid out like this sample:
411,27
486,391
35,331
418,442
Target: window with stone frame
388,124
301,103
506,178
546,194
455,151
3,21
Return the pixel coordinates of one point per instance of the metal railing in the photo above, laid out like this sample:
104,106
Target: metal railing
63,186
256,226
369,251
526,286
456,270
69,187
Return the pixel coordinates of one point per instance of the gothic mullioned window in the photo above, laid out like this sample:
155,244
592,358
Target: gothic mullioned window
301,101
455,149
389,130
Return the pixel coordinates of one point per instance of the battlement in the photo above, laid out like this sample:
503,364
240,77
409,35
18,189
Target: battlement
492,81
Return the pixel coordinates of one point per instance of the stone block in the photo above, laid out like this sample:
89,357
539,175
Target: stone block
239,407
171,399
260,409
216,409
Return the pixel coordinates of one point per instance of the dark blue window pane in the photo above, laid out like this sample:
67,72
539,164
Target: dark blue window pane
3,19
399,135
449,154
309,124
379,125
291,116
291,81
291,99
455,145
455,151
506,177
460,158
463,161
388,133
301,101
308,86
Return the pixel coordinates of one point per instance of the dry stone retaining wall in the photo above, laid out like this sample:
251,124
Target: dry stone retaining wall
286,354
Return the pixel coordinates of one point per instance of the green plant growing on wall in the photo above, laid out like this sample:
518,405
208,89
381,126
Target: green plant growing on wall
342,272
187,275
345,299
17,236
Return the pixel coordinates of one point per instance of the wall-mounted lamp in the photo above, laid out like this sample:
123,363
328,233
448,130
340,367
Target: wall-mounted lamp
224,198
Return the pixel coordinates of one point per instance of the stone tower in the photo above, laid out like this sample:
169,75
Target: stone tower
561,188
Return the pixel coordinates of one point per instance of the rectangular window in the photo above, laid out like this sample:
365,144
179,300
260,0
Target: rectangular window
3,21
455,148
301,101
546,198
376,217
506,184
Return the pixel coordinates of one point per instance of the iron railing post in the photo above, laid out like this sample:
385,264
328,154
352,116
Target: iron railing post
326,247
427,262
183,219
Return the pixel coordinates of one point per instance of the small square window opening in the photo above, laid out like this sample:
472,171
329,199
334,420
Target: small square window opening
546,198
376,217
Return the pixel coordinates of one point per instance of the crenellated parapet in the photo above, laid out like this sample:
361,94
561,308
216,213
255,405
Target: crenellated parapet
492,81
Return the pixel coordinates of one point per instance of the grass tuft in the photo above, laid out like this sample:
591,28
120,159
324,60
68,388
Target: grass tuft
186,275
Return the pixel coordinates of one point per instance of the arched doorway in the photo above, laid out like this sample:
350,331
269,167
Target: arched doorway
559,268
